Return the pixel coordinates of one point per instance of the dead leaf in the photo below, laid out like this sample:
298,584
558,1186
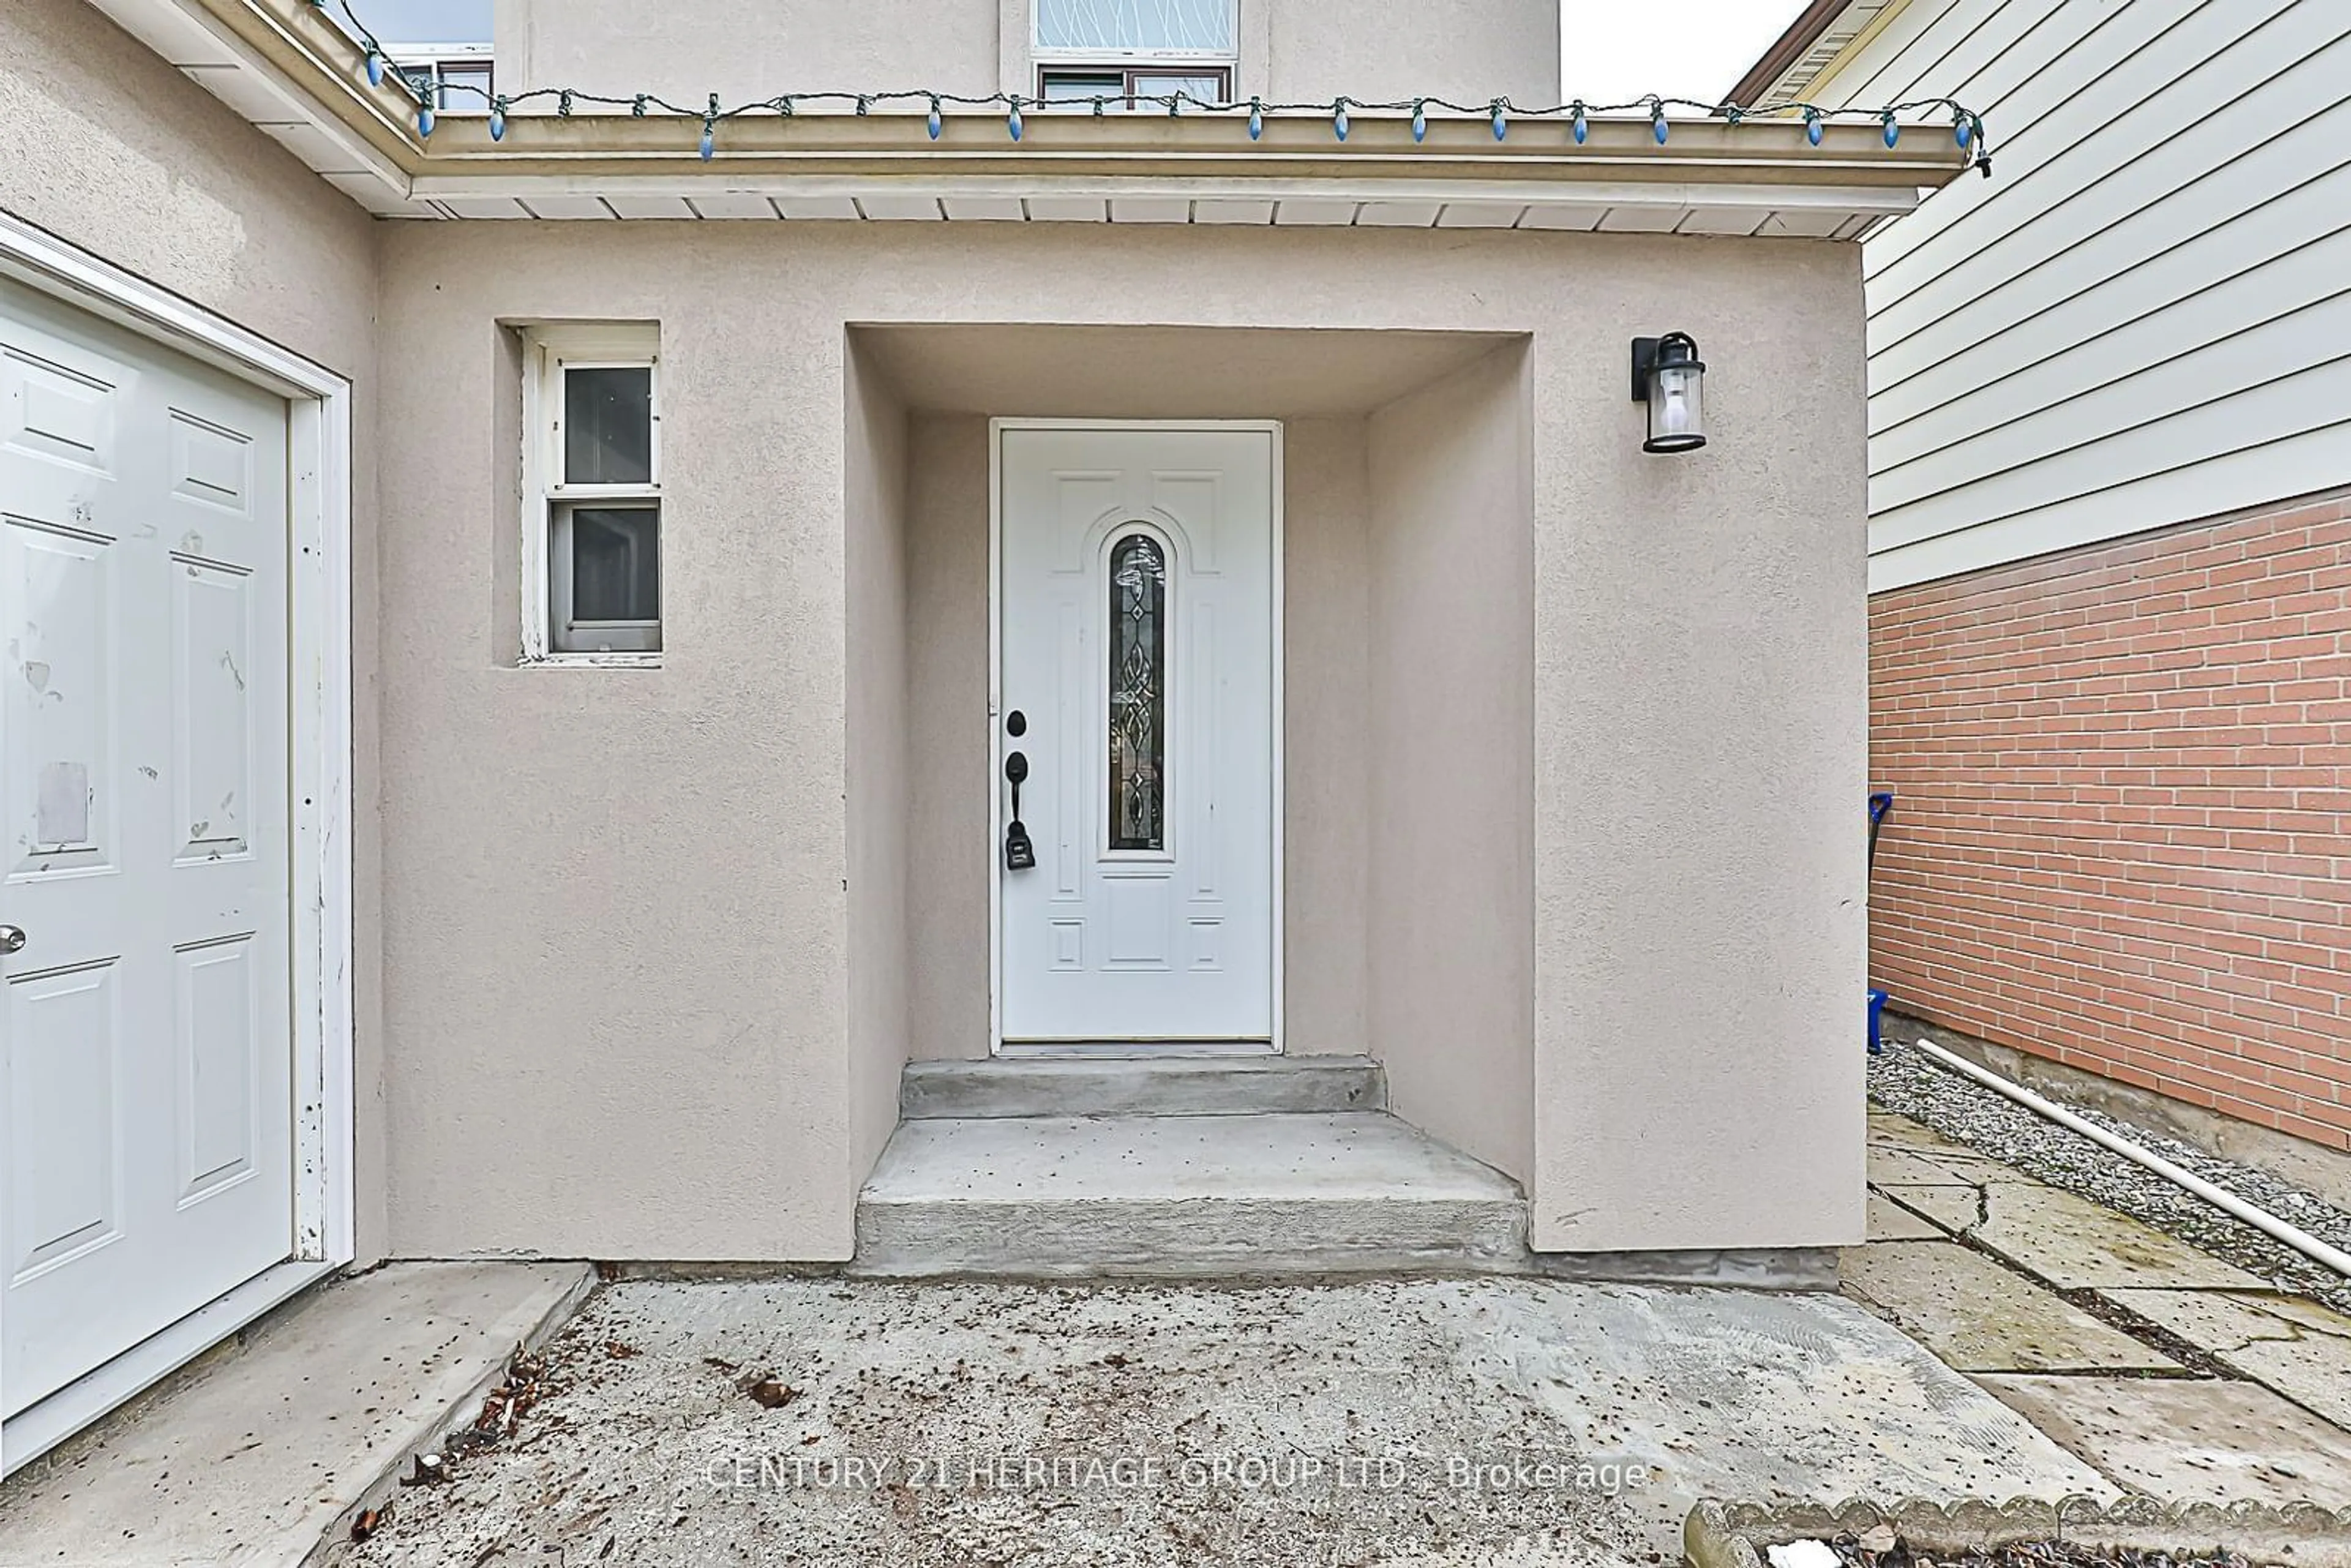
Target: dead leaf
370,1521
766,1391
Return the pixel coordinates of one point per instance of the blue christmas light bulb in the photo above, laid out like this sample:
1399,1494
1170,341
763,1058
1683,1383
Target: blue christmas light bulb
498,120
374,68
1581,127
1339,120
1012,121
931,122
1893,132
1257,120
709,140
1502,122
1419,121
1657,125
1812,126
1962,132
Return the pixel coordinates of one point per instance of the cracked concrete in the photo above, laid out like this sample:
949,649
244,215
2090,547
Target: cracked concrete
1979,1317
2296,1347
1983,1294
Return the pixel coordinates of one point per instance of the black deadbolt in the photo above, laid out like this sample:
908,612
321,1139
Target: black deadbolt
1017,723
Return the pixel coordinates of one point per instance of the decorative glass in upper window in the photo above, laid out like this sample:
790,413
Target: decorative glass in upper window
1138,693
1175,26
608,424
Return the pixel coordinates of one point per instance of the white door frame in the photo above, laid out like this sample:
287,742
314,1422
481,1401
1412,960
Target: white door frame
319,551
995,824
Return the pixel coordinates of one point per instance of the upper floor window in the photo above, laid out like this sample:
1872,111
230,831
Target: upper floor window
1125,49
455,80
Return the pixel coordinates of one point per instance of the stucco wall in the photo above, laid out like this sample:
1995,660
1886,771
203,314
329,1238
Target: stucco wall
1450,899
744,52
1700,672
951,853
106,146
1467,51
621,1009
874,781
1327,764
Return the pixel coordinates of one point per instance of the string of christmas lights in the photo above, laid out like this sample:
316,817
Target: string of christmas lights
1967,127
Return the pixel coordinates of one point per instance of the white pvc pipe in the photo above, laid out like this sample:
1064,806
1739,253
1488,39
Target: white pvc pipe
2260,1220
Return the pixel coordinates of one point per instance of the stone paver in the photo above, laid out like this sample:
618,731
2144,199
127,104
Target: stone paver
1979,1317
2187,1440
2294,1346
1953,1208
1891,1164
1889,1131
1889,1221
2075,1244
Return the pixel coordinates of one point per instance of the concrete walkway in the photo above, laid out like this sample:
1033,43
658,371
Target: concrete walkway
2169,1371
1467,1421
264,1450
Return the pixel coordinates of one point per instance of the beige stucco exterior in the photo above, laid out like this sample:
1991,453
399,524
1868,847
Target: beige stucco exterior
1574,735
1471,51
107,147
650,1010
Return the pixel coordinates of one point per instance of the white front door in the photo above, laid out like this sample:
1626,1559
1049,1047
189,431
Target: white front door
145,1038
1137,607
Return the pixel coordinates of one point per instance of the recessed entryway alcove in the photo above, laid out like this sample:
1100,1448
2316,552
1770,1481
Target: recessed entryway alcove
1405,647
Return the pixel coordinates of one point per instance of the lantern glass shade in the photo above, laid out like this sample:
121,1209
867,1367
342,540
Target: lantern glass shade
1670,386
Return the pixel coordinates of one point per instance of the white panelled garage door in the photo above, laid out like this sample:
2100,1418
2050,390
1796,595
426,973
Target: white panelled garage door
146,1051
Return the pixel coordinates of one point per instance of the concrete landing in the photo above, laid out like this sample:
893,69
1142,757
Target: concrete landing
1182,1197
1142,1086
260,1454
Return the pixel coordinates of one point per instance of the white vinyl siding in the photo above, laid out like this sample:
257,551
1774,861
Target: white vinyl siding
2145,317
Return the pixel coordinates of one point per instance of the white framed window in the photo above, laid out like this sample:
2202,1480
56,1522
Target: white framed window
592,494
456,78
1119,50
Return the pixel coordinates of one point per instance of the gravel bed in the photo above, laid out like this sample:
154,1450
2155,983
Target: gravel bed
1907,1081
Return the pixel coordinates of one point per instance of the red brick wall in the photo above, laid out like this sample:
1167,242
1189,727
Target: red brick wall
2123,832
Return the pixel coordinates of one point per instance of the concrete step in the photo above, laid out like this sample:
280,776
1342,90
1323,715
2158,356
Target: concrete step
1271,1194
1140,1086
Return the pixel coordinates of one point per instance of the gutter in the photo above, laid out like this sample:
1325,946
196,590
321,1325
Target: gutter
309,60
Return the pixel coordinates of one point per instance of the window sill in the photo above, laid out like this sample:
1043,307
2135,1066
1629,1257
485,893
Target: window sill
622,660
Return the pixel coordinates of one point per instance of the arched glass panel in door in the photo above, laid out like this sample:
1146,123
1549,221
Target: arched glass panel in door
1138,693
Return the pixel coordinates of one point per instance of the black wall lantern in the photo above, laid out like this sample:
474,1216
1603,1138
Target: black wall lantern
1666,375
